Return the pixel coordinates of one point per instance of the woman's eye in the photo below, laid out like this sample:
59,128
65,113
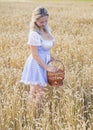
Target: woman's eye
43,22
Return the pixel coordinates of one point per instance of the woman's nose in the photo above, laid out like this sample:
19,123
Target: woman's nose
44,24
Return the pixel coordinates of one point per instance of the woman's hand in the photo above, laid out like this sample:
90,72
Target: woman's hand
52,69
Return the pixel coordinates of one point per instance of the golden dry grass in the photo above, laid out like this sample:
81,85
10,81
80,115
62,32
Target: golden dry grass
69,107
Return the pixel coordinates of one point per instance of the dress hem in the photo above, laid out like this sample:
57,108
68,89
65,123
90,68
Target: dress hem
32,83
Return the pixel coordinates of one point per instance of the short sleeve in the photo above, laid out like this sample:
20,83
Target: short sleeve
34,39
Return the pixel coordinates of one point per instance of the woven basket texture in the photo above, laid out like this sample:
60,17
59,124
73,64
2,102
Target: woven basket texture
56,78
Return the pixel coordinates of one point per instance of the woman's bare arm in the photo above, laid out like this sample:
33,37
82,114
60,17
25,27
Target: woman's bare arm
34,50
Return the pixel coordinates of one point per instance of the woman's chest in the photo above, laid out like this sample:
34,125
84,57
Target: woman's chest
46,45
46,36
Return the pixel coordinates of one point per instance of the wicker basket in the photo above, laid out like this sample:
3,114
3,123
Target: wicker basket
56,78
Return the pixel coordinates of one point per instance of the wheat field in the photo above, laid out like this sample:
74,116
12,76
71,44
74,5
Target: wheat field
69,107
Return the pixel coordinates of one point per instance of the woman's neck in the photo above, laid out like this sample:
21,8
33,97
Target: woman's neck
46,35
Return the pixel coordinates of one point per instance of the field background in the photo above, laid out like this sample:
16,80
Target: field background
69,107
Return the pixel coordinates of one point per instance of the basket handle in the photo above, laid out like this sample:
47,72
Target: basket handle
57,61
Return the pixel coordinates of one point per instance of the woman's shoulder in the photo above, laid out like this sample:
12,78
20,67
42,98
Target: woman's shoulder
33,38
33,33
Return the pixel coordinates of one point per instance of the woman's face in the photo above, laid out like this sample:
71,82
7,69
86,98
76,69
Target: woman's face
42,22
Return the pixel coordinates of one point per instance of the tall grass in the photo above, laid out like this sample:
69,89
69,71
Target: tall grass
69,107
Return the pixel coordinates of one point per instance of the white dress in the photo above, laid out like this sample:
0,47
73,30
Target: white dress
33,73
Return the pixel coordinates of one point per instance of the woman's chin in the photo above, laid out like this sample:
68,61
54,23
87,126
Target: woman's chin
43,27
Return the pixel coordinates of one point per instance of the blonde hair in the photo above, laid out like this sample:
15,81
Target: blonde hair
36,14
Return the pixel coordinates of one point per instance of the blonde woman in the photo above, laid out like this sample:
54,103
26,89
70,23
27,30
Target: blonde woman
40,40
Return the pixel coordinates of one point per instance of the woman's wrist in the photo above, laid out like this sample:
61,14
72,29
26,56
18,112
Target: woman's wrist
46,67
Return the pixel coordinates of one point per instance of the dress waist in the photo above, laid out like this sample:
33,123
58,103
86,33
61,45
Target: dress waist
45,55
44,52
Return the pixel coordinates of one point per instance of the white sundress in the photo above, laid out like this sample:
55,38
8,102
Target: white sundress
33,73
